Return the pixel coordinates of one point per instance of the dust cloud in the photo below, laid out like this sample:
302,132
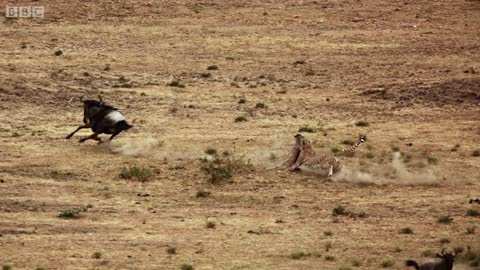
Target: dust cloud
137,147
395,173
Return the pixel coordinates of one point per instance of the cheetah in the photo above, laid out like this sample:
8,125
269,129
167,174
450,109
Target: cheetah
308,158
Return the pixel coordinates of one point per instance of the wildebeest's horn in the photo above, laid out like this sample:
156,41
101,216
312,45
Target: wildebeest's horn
100,97
81,98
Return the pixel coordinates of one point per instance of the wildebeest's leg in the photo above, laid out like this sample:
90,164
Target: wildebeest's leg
93,137
114,134
80,127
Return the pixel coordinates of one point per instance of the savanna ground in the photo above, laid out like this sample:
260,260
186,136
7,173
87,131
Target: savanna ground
410,69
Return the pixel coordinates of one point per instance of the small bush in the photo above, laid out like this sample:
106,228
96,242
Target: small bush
398,249
356,263
406,231
335,150
210,225
388,263
473,213
327,233
176,83
242,101
444,241
344,268
172,250
40,268
339,211
471,230
211,151
212,67
395,149
186,267
458,249
369,155
445,219
428,253
329,258
347,142
260,105
97,255
362,123
298,255
220,169
136,172
72,212
432,160
306,129
6,267
240,119
202,194
476,153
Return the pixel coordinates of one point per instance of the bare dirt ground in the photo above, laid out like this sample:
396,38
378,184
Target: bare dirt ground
409,68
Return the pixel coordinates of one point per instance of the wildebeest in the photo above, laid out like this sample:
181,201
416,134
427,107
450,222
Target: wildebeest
101,118
445,264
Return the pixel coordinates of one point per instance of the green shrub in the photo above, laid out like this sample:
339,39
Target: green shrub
306,129
473,213
136,172
362,123
97,255
186,267
240,119
406,231
347,142
171,250
72,212
387,263
444,219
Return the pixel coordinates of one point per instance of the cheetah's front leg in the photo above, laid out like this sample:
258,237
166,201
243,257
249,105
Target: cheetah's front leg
330,172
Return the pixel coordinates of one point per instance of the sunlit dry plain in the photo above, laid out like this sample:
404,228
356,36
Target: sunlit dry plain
404,73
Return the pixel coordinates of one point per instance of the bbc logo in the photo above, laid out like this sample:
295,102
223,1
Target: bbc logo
24,12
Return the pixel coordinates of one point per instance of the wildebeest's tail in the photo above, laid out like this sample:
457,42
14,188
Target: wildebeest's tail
412,263
123,125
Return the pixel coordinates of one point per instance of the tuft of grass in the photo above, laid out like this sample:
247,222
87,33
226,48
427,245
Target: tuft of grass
388,263
335,150
211,151
406,230
347,142
344,268
210,225
395,149
444,219
339,211
432,160
273,156
40,268
398,249
458,249
186,267
212,67
328,246
369,155
356,263
306,129
176,83
328,233
472,213
329,258
72,212
202,194
221,169
444,241
260,105
6,267
240,119
428,253
136,172
242,101
298,255
471,230
97,255
172,250
362,123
